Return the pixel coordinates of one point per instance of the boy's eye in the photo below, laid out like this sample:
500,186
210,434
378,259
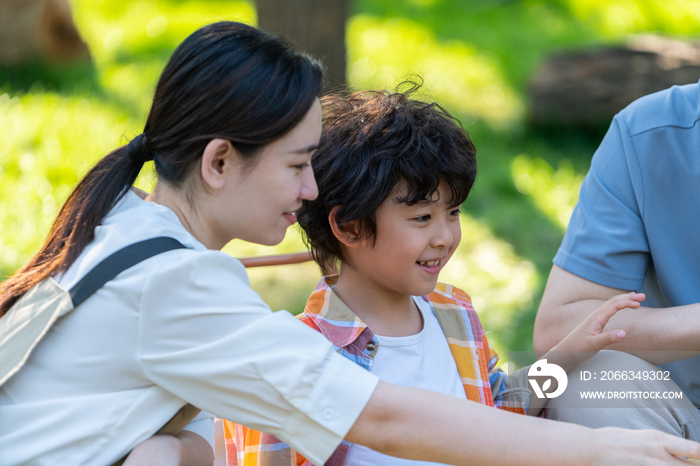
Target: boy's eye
423,218
455,213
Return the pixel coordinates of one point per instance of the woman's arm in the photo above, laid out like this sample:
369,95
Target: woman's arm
460,433
424,425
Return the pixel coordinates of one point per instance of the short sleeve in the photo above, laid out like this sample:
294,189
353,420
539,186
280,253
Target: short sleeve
208,338
606,241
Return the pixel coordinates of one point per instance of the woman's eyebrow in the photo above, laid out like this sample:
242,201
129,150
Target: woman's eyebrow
306,150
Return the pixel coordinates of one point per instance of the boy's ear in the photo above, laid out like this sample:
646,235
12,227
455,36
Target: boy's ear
346,234
217,160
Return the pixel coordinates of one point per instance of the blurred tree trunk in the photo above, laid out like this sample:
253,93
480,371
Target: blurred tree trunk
587,88
313,26
39,29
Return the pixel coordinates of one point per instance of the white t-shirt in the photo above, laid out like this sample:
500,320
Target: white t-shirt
183,326
422,360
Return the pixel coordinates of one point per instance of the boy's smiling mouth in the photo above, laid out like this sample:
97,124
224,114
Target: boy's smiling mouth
432,267
429,263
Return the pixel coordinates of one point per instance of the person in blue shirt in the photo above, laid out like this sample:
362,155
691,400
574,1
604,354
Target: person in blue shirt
635,227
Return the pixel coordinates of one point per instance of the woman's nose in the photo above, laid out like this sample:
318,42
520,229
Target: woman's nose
309,188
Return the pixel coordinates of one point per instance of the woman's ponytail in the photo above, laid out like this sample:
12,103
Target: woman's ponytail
89,203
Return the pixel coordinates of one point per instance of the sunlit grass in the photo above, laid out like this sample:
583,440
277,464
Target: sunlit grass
40,133
132,40
382,54
614,18
130,27
554,192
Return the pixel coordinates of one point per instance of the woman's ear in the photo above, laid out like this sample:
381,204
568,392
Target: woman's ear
347,233
218,159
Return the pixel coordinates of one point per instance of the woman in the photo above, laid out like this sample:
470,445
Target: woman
232,128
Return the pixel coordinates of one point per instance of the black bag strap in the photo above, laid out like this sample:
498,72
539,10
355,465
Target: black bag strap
118,262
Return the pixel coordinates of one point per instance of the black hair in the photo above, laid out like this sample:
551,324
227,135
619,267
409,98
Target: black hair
226,80
373,141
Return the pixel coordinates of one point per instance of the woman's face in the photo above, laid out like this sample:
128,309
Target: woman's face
261,202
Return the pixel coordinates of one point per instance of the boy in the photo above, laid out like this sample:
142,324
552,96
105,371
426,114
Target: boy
392,173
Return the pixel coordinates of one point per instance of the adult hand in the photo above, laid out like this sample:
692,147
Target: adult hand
643,447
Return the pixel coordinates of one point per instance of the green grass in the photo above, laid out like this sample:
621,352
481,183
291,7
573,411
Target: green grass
475,56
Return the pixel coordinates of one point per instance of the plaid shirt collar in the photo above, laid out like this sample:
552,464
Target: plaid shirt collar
332,317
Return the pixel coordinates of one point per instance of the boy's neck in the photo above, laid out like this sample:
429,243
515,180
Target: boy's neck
386,312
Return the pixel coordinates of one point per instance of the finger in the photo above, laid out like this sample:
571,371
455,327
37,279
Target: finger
637,297
682,448
633,296
608,338
615,304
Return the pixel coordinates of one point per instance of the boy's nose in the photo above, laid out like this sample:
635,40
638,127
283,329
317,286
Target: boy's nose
443,237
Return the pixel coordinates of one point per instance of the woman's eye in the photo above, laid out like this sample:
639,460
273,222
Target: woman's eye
302,166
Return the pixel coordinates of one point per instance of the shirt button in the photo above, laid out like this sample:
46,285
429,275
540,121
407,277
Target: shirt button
328,414
370,346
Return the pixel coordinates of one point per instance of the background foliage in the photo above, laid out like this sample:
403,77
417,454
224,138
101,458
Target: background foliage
475,56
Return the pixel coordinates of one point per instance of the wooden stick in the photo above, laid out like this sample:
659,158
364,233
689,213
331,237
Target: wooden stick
281,259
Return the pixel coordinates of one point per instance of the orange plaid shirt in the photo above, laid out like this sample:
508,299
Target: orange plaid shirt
326,313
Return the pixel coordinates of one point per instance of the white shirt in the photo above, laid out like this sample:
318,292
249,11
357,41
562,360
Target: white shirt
422,360
183,326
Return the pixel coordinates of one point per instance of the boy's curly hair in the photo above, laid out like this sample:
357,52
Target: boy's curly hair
372,141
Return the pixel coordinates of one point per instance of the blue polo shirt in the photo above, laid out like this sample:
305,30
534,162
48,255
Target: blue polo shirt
636,225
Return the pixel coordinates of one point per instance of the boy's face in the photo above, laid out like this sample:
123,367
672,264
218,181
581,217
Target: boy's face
411,246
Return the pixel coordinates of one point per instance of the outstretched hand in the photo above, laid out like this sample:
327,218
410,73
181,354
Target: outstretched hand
589,335
645,447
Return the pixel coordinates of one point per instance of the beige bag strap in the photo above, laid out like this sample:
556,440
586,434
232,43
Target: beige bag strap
26,323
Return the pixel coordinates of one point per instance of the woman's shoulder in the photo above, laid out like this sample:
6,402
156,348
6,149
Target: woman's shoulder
199,268
131,220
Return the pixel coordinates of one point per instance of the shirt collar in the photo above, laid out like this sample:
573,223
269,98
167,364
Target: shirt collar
332,317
